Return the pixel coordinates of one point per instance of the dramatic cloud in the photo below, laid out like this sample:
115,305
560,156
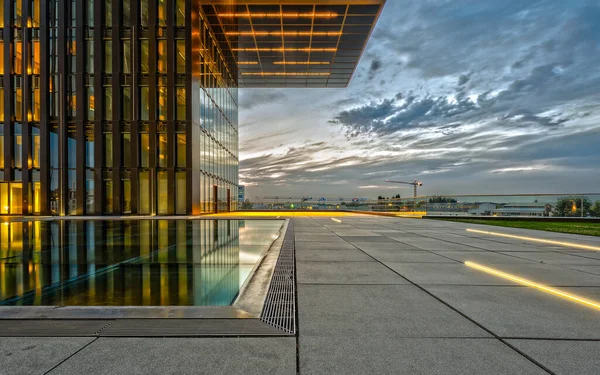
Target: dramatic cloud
470,96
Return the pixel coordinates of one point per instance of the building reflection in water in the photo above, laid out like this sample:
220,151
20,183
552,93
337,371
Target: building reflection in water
129,263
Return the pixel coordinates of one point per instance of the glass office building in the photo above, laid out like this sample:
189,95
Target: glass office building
117,107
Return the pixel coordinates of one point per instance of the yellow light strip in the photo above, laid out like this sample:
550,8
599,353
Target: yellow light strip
301,62
336,220
550,242
278,15
532,284
284,74
284,33
247,62
281,49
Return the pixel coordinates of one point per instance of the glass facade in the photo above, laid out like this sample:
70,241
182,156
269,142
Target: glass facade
164,140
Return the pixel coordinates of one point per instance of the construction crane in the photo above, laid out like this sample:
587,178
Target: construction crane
415,185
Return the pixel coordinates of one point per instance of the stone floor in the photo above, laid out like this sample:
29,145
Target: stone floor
379,295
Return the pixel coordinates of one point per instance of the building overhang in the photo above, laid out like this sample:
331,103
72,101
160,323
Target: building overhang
294,43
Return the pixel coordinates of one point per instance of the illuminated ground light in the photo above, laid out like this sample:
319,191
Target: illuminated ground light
547,289
533,239
336,220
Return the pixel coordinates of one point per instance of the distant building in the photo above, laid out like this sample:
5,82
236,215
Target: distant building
483,209
524,209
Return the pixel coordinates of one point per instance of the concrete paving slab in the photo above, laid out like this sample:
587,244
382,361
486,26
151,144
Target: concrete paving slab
484,257
432,244
385,246
406,256
385,355
557,258
333,256
346,273
563,357
184,356
372,239
589,269
444,274
338,245
36,355
358,311
523,312
436,273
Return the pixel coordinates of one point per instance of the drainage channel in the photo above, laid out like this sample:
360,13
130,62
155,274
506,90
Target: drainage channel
279,309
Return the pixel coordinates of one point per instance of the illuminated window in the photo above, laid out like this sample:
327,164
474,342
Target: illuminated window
36,104
35,58
16,198
162,150
126,186
35,146
162,12
163,193
144,150
89,63
1,146
90,12
144,193
180,13
18,12
108,57
4,198
90,103
126,12
18,57
162,103
144,12
181,150
162,56
18,147
181,100
36,13
181,56
126,56
2,104
108,14
180,195
89,192
144,103
144,65
18,100
89,151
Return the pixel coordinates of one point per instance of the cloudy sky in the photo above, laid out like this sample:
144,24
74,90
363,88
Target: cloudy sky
469,96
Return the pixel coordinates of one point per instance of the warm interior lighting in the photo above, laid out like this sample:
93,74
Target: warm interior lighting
248,63
282,49
533,239
279,15
301,62
284,33
532,284
284,74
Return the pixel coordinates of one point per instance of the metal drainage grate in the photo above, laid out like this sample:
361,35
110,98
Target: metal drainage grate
279,309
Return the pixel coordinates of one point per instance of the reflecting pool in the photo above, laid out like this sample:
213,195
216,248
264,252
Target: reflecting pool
130,262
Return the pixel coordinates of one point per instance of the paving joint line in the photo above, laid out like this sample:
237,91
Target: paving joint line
72,355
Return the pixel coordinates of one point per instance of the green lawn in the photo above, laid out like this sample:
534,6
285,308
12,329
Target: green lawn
589,229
